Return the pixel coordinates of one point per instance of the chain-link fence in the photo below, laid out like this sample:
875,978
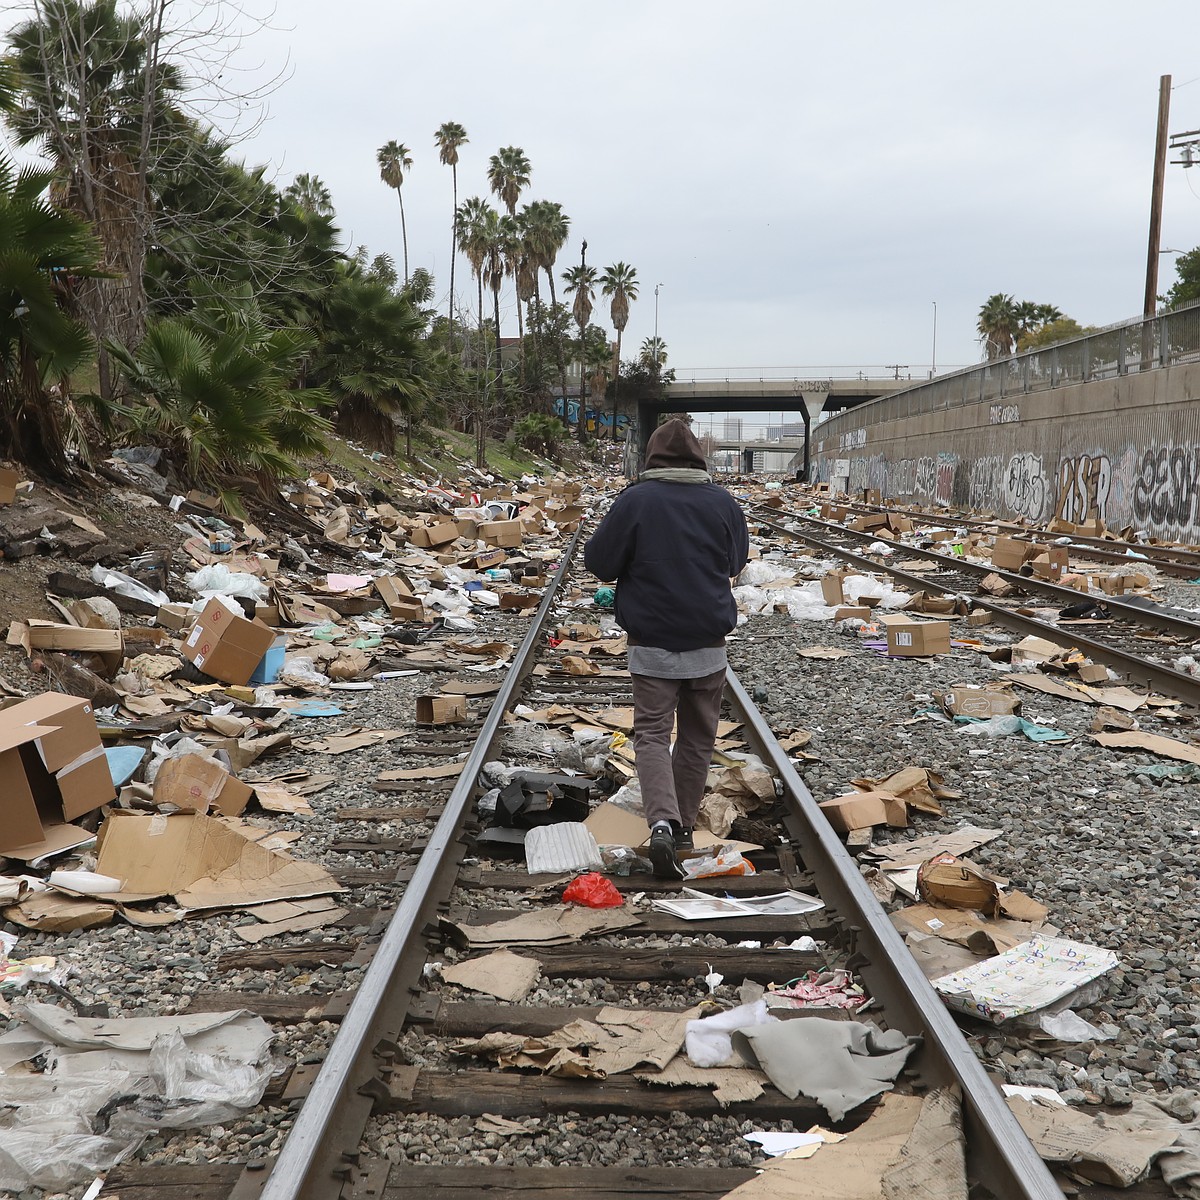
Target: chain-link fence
1124,349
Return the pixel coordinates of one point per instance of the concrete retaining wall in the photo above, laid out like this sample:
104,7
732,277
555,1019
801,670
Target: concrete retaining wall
1125,449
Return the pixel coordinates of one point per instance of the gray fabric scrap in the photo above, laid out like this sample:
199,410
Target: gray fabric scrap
839,1064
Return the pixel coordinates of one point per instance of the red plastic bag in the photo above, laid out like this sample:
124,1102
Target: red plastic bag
593,891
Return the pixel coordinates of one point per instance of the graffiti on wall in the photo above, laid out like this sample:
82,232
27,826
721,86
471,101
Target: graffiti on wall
1003,414
1167,486
1025,490
1083,486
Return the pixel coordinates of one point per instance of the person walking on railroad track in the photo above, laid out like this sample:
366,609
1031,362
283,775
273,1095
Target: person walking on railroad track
672,541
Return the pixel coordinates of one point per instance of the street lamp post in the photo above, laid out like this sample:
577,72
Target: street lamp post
933,362
581,431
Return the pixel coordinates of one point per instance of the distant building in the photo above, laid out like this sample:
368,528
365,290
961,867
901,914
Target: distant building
733,429
792,429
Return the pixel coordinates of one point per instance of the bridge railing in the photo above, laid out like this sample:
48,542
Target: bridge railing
1126,348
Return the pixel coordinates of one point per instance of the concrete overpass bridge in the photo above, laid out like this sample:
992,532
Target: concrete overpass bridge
808,398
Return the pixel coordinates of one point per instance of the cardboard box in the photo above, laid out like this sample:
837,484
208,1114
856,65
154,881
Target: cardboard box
8,485
433,535
519,600
1008,554
225,645
174,617
193,783
1051,563
847,611
268,614
501,533
831,588
489,558
862,810
467,528
1093,673
52,768
979,702
397,594
907,638
441,710
980,616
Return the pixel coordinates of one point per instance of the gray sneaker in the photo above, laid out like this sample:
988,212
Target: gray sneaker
662,855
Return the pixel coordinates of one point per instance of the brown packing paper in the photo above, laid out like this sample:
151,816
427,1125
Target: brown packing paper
502,974
730,1085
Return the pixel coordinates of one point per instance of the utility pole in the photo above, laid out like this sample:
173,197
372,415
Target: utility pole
581,432
933,362
897,367
1150,305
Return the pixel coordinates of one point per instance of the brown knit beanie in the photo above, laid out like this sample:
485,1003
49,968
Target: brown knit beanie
673,444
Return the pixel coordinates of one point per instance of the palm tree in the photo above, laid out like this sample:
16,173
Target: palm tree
478,228
998,326
620,282
310,192
43,249
449,137
653,353
546,227
394,159
508,176
581,282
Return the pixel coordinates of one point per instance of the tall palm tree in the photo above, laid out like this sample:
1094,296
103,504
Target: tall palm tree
394,159
546,227
998,325
581,282
508,176
621,283
449,137
478,227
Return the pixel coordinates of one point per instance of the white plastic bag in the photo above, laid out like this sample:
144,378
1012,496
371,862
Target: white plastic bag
708,1042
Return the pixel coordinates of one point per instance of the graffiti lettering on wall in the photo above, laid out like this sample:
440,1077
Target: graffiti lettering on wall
986,482
1025,486
853,439
1002,414
925,481
1083,486
1167,486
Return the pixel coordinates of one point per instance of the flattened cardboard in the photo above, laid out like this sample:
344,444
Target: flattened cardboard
202,861
1164,747
225,645
8,485
52,912
831,588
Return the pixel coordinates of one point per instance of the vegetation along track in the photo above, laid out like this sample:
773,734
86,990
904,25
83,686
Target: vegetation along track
1115,643
366,1082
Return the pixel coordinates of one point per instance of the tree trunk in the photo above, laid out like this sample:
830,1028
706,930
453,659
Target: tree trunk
453,252
616,383
403,233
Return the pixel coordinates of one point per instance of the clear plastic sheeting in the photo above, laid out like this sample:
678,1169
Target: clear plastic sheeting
110,1082
126,585
218,580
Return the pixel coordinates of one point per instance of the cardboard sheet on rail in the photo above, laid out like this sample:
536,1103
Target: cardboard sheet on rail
555,926
908,1147
612,825
900,855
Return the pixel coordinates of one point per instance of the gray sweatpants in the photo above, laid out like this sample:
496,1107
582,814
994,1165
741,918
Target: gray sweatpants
673,784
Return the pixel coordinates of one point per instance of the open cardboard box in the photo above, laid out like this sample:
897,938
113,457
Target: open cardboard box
52,770
193,783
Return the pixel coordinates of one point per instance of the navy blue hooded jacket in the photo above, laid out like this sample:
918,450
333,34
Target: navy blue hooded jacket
672,548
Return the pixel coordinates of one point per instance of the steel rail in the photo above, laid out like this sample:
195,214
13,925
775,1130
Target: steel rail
1000,1155
329,1126
1166,679
1172,559
1183,627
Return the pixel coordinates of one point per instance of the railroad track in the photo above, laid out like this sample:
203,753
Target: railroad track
363,1082
1118,644
1183,562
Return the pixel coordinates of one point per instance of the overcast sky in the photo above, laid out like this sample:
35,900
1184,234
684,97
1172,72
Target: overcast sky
804,179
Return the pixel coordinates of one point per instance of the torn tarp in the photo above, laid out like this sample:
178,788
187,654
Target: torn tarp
839,1064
